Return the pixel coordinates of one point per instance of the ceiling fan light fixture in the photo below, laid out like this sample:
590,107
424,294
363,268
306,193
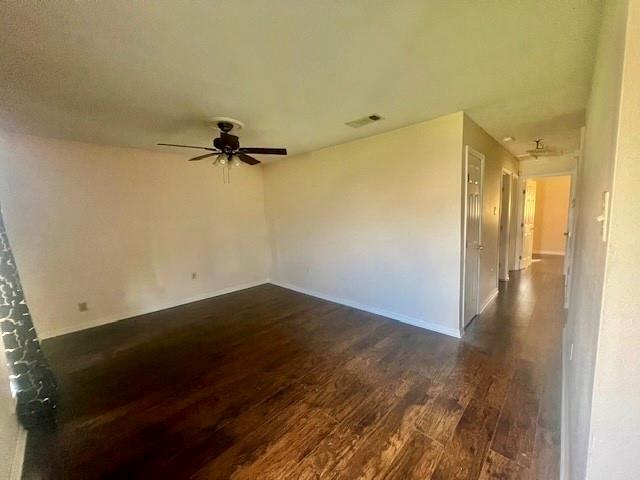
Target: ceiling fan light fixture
220,160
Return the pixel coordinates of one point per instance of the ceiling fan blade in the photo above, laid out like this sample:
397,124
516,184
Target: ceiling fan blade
204,156
186,146
247,159
265,151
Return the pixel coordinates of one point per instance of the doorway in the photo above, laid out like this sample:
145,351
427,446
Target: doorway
474,165
506,246
528,222
547,218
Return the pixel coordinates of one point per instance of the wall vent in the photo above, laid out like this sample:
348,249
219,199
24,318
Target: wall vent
361,122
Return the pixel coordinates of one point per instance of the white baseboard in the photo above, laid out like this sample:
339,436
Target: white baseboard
564,422
143,311
548,252
18,455
416,322
489,299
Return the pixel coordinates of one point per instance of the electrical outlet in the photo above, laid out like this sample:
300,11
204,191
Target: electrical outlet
194,275
83,307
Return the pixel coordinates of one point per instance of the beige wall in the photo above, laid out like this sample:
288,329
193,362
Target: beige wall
122,229
584,324
615,415
374,223
496,158
552,207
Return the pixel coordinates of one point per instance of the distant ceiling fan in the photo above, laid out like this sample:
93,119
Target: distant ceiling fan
539,151
227,148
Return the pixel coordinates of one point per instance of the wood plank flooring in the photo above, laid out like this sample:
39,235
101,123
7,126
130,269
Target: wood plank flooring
267,383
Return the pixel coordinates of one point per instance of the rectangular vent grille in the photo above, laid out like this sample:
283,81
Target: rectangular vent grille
361,122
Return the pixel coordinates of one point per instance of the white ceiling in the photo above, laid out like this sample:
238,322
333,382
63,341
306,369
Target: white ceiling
137,73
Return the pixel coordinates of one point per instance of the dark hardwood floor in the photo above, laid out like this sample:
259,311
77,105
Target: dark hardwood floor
269,383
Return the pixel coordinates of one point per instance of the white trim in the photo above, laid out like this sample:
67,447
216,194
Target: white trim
504,171
143,311
416,322
463,243
515,186
18,454
549,252
564,416
490,298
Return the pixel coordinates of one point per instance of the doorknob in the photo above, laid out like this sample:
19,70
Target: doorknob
480,247
566,234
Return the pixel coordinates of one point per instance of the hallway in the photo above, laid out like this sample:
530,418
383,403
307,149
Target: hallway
270,383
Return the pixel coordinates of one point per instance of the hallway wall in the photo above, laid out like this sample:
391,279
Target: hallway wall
615,416
584,329
551,215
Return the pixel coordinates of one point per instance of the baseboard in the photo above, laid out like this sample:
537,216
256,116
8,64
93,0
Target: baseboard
548,252
18,455
489,299
97,322
416,322
564,419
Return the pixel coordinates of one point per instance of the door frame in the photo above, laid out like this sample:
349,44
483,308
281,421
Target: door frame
521,190
504,171
469,150
515,202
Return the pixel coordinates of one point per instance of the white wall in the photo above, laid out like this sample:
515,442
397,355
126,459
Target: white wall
122,229
615,413
595,176
374,223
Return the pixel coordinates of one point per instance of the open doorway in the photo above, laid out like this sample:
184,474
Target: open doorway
545,217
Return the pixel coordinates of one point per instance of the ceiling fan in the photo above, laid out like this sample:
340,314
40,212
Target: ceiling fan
539,151
227,148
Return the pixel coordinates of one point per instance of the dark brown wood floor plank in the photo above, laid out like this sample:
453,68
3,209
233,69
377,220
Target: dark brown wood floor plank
372,454
464,454
497,467
515,435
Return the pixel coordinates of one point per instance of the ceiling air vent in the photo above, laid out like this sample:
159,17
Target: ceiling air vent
361,122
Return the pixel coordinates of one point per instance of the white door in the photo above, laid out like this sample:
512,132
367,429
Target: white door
527,223
473,244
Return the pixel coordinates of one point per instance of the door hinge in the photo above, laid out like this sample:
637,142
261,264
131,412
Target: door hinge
520,257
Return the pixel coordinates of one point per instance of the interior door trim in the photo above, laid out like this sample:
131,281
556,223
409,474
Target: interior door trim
463,244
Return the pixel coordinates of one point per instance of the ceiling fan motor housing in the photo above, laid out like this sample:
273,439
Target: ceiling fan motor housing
226,142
